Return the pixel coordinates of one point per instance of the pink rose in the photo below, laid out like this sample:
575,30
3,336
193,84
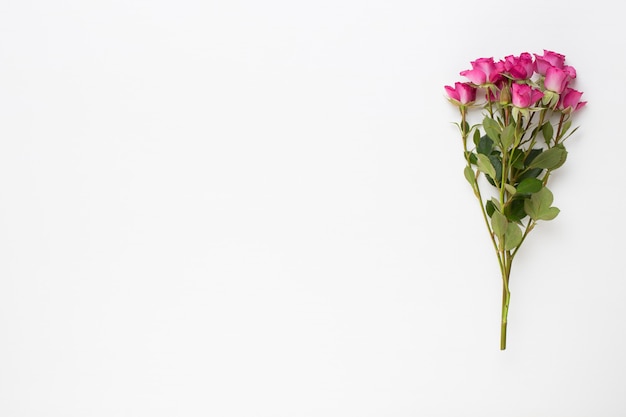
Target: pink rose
462,93
571,71
570,100
484,70
547,60
523,95
556,79
520,67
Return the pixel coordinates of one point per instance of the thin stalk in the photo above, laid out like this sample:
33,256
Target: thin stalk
529,226
506,297
477,192
558,130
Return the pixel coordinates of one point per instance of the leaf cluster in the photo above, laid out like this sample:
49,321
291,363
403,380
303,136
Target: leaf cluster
516,157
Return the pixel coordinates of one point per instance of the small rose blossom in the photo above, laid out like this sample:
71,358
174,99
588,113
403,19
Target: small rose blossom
462,93
484,71
547,60
556,79
571,71
570,100
523,95
520,67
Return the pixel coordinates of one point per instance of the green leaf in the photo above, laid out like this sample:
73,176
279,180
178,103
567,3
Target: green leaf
529,186
566,127
476,136
531,173
550,159
492,129
508,136
484,165
563,137
547,131
544,196
531,207
512,236
469,175
528,172
465,127
517,159
499,224
510,189
485,145
490,208
497,164
538,206
532,154
514,210
549,213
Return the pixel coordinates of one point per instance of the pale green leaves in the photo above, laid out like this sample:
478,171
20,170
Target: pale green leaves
539,205
529,186
469,175
499,224
547,130
485,165
550,159
509,188
492,129
509,234
566,127
513,236
505,138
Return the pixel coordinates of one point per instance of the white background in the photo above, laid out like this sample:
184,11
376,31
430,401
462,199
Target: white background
242,208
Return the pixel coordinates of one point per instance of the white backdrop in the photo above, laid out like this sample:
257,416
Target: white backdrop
246,208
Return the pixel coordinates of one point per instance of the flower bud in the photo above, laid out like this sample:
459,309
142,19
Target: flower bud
505,95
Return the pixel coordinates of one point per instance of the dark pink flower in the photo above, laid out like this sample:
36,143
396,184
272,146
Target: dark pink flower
570,100
556,79
523,95
462,93
547,60
571,71
484,71
520,67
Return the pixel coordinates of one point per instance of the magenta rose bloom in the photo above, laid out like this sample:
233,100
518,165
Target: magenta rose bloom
547,60
571,71
523,95
484,71
570,100
462,93
556,79
520,67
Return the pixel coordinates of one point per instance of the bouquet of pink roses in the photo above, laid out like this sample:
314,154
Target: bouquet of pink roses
526,105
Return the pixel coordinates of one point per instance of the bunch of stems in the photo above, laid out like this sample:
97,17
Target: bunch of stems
526,141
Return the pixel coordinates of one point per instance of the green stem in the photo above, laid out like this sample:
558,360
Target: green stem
477,192
505,308
504,257
486,219
529,226
506,297
558,130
